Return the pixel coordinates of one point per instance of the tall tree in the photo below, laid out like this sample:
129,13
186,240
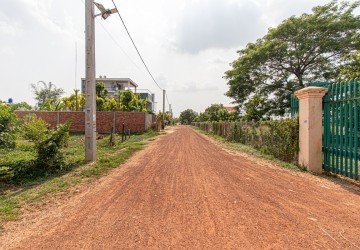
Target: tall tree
100,89
301,49
255,108
187,116
159,117
53,105
351,68
215,113
75,101
20,106
46,93
131,101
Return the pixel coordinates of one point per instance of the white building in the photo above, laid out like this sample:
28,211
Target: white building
113,85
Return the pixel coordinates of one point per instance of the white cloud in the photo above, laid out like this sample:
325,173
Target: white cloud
218,60
12,29
192,87
40,11
218,24
6,51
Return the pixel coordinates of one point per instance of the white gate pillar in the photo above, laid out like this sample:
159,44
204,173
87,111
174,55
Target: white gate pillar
310,127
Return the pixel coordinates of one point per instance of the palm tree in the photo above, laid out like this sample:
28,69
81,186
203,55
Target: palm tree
46,92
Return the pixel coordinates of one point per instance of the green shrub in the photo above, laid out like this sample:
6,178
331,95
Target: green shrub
34,129
38,153
6,173
47,143
279,138
16,170
7,130
49,156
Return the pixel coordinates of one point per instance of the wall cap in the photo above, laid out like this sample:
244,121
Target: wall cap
311,92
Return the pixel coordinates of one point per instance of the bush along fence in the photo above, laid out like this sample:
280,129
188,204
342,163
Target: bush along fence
279,138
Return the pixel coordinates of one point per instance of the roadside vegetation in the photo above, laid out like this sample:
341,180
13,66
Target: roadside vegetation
279,138
213,113
22,193
48,98
248,149
37,161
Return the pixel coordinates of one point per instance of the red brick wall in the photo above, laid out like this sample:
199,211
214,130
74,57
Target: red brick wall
77,120
133,121
49,117
104,120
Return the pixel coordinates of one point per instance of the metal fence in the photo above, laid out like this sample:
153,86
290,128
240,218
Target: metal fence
340,127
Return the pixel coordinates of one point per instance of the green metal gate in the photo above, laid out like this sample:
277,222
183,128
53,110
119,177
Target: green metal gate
340,127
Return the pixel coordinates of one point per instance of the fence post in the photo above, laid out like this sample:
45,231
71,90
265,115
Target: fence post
114,122
260,131
123,133
310,127
252,131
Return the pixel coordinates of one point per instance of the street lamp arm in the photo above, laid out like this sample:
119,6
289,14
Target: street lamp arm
105,13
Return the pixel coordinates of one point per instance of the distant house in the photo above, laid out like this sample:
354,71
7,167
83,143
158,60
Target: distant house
113,85
231,109
147,94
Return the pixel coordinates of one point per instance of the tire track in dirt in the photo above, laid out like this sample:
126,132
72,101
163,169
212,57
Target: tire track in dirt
184,192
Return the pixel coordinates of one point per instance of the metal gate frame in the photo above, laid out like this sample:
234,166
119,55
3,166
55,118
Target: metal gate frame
340,127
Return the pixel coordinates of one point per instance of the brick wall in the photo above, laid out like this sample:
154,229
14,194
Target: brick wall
77,120
49,117
104,120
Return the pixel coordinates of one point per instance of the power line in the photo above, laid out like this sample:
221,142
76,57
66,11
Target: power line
137,50
136,47
114,40
117,44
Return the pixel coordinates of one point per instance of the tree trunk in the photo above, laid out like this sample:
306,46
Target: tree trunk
300,78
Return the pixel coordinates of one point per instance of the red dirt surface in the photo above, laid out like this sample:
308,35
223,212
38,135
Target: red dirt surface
184,192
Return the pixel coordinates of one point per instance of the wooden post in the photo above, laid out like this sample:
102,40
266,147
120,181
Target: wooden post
123,132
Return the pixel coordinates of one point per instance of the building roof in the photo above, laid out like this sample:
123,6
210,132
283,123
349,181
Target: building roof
115,80
230,109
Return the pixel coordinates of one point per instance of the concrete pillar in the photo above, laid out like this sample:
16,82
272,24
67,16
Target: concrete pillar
310,122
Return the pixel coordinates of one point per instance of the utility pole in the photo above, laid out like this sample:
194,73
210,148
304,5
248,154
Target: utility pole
163,118
90,112
170,114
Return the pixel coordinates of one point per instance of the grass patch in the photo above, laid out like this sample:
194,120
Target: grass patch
250,150
8,209
13,196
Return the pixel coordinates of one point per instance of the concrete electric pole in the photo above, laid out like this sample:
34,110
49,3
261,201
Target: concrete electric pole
90,112
163,117
170,113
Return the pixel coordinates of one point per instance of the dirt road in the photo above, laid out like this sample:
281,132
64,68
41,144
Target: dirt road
184,192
